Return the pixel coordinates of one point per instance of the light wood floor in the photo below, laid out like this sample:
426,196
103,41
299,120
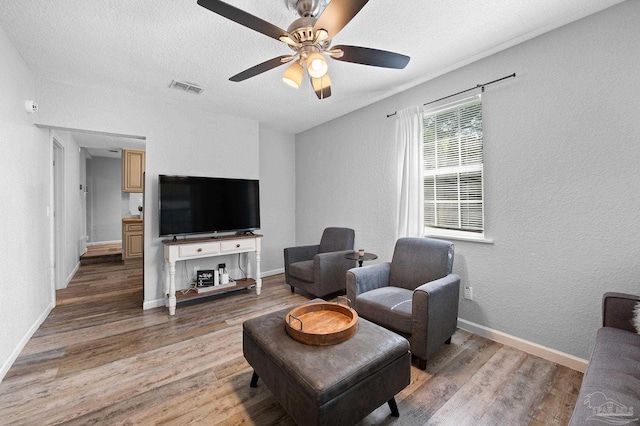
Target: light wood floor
99,359
103,250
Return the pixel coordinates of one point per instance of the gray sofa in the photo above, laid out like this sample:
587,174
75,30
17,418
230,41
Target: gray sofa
610,391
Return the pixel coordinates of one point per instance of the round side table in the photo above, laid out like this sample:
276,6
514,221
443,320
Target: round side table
354,256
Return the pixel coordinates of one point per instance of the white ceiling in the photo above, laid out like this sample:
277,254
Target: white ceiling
103,145
142,45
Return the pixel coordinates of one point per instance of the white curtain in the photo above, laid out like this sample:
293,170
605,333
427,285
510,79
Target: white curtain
409,131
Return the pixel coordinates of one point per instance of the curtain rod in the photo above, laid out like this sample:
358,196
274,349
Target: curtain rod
463,91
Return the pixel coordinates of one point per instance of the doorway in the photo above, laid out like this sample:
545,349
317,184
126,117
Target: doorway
107,204
69,202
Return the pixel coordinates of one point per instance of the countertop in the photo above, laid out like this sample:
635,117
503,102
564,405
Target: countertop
132,219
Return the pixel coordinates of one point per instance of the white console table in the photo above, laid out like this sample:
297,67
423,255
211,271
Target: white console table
195,248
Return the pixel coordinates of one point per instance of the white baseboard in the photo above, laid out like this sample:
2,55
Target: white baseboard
70,276
99,243
150,304
273,272
23,342
532,348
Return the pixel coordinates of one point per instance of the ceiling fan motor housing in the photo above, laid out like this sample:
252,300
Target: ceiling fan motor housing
304,8
301,31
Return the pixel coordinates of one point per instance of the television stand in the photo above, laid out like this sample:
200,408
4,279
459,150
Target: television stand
196,248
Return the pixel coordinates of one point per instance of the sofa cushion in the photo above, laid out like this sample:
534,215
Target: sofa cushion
417,261
336,239
389,307
612,379
302,270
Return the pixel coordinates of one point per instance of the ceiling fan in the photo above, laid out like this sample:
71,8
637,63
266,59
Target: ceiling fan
309,37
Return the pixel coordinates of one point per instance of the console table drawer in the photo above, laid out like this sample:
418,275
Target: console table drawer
244,244
191,250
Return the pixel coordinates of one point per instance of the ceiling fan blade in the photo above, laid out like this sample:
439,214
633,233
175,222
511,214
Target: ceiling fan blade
244,18
337,14
368,56
322,86
260,68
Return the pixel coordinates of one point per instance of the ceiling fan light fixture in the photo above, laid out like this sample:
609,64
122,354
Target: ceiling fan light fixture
317,65
321,83
322,86
293,75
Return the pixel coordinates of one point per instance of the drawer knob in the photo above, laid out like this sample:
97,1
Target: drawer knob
199,250
237,245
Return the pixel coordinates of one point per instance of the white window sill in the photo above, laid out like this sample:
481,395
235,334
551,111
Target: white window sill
458,237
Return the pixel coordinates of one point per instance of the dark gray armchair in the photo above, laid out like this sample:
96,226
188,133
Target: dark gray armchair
320,269
415,294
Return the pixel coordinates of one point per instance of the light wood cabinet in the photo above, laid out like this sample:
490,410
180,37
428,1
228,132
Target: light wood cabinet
133,162
132,239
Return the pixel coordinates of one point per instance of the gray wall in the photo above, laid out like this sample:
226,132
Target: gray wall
105,197
277,197
562,179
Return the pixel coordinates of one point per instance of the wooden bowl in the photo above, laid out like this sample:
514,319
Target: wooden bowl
321,323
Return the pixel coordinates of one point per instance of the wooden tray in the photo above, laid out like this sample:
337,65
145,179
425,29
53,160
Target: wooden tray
321,323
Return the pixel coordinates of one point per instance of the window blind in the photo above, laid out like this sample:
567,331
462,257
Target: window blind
453,166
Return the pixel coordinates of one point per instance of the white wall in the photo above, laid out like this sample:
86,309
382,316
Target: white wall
178,141
25,194
277,197
562,179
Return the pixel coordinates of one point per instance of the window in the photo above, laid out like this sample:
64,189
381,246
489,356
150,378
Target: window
453,165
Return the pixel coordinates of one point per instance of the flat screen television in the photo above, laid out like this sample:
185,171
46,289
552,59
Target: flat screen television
200,205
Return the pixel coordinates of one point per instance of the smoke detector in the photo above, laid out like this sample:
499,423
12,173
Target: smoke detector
187,87
30,106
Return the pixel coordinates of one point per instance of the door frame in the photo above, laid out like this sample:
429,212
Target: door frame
57,213
60,237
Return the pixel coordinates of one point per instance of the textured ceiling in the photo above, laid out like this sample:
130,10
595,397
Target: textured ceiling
142,45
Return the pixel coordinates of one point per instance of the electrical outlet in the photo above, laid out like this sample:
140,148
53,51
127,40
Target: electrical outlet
468,292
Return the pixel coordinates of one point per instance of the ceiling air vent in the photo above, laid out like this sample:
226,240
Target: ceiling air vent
187,87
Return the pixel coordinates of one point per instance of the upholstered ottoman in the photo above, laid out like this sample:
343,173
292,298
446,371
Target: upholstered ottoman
327,385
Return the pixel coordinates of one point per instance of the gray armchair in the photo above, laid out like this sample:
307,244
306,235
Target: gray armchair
320,269
415,294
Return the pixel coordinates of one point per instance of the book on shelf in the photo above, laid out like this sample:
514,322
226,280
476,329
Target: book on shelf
206,278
